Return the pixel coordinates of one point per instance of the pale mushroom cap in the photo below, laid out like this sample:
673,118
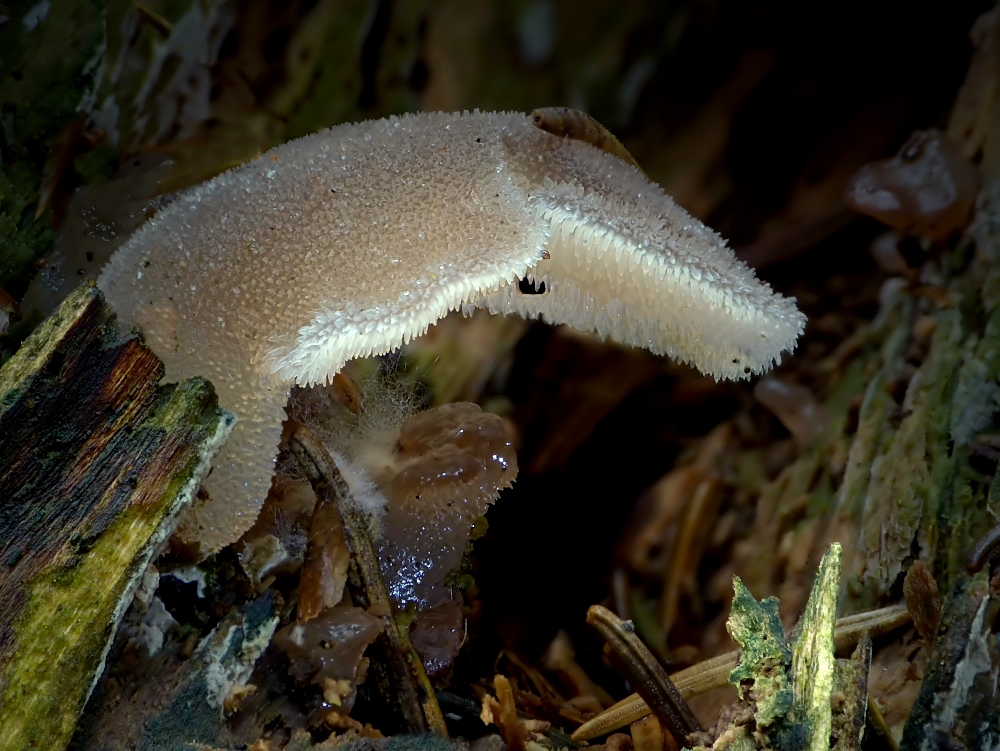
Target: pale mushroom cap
352,241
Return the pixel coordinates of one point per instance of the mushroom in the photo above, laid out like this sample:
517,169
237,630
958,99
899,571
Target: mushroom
352,241
450,464
928,187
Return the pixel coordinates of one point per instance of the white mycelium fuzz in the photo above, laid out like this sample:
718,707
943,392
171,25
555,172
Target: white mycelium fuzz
352,241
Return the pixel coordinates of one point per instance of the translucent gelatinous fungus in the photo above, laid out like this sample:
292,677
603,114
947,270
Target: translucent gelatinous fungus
352,241
328,649
437,635
928,187
425,479
276,543
327,558
884,250
451,464
795,406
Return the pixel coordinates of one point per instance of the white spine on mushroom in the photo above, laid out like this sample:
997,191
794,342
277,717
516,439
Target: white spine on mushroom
597,281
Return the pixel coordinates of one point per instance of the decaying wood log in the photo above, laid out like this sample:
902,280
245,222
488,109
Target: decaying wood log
958,699
180,701
96,462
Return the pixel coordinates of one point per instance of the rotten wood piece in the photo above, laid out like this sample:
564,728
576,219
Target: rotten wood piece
96,462
814,663
188,695
714,672
959,700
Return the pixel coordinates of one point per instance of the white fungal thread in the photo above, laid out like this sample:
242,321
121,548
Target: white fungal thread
352,241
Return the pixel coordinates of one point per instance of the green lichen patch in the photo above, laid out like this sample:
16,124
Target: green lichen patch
765,656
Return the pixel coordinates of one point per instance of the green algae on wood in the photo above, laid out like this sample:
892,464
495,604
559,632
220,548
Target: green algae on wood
892,328
790,688
764,654
96,462
908,479
813,653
